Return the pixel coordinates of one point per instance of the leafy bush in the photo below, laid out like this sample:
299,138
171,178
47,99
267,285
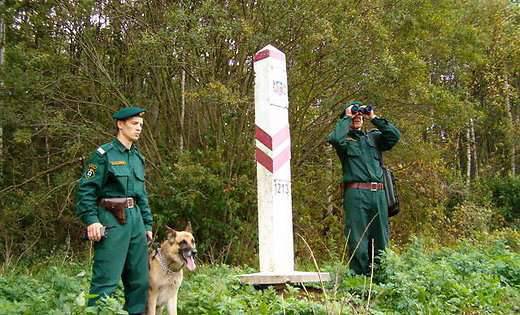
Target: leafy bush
470,278
52,291
468,219
220,209
505,196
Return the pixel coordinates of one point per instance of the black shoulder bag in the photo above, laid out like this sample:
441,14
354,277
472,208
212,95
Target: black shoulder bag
392,197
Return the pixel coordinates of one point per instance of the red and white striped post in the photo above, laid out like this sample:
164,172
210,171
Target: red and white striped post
273,167
273,155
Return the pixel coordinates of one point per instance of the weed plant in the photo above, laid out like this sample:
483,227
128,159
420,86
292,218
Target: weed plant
470,278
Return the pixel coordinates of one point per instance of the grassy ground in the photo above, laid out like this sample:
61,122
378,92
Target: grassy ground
469,278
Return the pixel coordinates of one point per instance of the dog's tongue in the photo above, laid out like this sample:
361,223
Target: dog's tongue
190,263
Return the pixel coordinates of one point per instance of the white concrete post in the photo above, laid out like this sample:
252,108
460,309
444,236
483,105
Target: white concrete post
273,154
273,167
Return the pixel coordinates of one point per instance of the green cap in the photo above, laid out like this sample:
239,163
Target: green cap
127,112
354,103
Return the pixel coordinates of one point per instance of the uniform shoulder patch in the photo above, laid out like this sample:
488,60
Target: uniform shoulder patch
91,171
101,150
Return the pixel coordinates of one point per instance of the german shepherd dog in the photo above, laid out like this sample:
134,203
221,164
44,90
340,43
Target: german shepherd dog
166,264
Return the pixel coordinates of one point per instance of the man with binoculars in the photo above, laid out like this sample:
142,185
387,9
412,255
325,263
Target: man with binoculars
364,200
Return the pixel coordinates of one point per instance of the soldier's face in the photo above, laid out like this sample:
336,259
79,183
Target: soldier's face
357,121
131,128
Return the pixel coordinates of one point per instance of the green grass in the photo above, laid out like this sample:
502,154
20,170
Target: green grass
470,278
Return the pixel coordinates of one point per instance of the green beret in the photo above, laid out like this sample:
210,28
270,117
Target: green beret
127,112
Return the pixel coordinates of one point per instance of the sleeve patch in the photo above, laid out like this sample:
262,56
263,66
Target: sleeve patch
91,171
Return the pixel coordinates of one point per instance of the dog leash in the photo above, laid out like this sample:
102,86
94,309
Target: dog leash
153,247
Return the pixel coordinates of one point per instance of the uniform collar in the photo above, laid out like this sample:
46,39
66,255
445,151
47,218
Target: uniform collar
356,132
121,147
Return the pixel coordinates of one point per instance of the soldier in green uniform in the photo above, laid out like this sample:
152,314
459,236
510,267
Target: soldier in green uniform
364,201
114,179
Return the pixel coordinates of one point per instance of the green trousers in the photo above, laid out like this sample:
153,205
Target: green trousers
366,223
123,254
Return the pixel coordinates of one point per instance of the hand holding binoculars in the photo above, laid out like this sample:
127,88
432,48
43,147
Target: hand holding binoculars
361,109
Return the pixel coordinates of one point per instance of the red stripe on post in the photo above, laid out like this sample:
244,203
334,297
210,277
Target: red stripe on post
266,53
264,160
261,55
264,137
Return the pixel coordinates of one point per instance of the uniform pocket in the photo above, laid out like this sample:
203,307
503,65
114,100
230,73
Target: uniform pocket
139,183
120,175
139,174
373,150
375,162
120,171
353,148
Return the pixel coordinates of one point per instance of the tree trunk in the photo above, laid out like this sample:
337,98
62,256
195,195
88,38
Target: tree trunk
509,111
47,150
468,156
331,190
183,104
2,38
474,149
2,49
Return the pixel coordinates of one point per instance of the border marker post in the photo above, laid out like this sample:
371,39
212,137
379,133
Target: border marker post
273,155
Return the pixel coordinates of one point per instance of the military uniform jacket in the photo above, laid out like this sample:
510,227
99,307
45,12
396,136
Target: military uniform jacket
359,152
113,171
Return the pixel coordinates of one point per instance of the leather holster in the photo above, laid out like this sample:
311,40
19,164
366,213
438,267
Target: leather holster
116,206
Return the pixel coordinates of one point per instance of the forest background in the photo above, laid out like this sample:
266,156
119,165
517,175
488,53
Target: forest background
445,72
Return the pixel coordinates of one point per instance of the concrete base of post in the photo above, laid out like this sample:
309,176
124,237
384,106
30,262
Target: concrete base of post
295,277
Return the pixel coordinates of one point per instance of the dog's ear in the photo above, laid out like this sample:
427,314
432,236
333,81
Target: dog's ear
170,233
188,227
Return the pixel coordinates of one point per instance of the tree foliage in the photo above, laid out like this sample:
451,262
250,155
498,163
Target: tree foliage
441,70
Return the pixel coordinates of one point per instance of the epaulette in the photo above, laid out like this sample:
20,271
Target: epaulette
374,130
104,148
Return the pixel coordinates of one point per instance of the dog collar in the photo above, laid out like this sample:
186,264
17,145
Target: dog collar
163,264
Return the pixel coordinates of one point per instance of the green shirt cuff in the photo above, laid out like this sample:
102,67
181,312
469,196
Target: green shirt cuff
90,219
148,228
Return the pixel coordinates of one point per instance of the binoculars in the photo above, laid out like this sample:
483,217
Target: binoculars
360,109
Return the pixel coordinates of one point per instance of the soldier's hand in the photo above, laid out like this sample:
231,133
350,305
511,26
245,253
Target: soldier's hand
94,231
372,115
149,236
348,111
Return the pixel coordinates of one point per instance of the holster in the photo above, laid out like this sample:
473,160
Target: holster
116,206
